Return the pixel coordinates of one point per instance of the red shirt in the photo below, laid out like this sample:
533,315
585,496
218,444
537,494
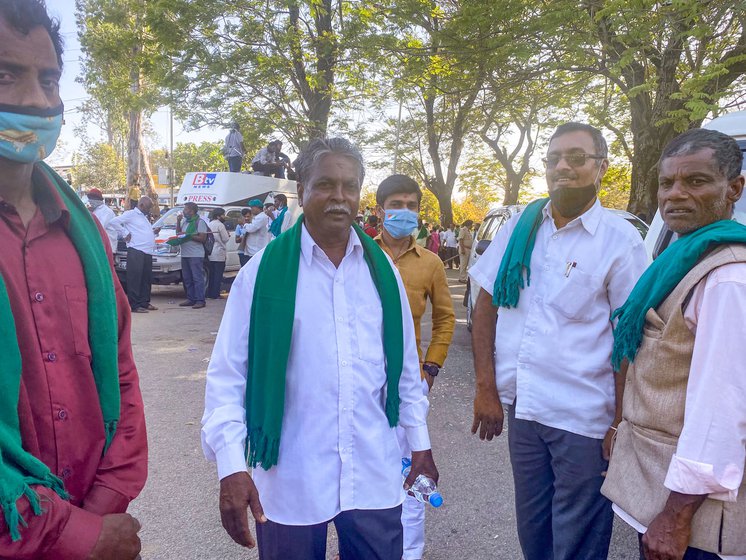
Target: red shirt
58,408
371,230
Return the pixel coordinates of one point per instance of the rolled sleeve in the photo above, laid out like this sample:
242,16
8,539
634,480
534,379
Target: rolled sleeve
78,537
690,477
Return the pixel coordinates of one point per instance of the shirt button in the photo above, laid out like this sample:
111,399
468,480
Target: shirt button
555,236
339,318
38,296
546,267
344,362
62,414
66,472
51,357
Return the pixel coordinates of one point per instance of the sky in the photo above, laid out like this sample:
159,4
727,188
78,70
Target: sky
74,94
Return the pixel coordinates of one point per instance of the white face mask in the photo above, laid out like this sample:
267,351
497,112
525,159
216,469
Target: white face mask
95,203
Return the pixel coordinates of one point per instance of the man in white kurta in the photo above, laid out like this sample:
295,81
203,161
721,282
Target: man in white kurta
339,460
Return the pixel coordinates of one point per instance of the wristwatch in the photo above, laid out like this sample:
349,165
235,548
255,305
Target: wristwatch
431,369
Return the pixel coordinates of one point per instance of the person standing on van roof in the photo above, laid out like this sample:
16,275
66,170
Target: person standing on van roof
328,384
73,447
257,230
104,215
677,472
193,236
219,253
234,149
424,277
542,340
134,226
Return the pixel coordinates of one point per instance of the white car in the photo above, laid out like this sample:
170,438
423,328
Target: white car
491,224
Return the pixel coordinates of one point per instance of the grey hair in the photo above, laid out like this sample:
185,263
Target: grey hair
320,147
727,153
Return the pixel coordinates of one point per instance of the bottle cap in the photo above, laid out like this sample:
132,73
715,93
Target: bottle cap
436,500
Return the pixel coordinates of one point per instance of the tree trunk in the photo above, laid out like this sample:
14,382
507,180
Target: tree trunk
133,148
145,174
444,202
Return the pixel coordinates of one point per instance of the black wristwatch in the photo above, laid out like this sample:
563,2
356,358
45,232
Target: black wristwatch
431,369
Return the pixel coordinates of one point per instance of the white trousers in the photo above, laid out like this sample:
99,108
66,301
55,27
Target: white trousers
412,511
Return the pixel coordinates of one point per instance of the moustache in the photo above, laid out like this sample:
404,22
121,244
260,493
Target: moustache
337,208
559,176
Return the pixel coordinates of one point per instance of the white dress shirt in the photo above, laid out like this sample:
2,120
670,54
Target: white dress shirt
337,451
257,234
711,451
449,236
105,215
553,351
135,223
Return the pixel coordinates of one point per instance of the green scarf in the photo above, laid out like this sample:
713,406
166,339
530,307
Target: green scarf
269,342
517,256
659,280
19,470
275,227
422,234
190,230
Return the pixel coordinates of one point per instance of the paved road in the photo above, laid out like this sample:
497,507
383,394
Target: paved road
178,507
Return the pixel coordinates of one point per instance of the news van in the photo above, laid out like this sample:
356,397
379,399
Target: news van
230,191
659,236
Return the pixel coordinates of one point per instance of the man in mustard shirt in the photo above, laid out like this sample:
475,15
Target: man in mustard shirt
398,204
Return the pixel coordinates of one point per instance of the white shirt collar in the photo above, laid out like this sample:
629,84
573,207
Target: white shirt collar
588,219
307,244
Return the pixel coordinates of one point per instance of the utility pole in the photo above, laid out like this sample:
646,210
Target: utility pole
398,132
171,154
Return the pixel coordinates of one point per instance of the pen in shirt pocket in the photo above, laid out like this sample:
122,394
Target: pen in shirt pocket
569,267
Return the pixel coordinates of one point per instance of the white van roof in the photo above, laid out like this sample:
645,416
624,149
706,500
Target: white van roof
732,124
223,188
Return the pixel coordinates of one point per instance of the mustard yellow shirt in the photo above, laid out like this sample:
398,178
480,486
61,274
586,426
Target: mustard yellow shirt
424,277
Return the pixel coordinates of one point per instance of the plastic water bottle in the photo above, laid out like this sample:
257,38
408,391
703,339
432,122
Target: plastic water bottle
424,487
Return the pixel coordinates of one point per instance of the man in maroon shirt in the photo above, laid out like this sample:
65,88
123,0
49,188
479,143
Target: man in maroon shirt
58,405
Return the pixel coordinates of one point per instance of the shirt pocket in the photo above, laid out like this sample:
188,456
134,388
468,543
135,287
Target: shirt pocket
369,327
575,295
77,308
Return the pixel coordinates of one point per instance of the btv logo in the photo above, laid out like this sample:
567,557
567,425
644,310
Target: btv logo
204,180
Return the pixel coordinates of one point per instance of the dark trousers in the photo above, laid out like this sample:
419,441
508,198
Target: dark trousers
270,169
139,278
215,279
451,257
560,511
234,164
243,259
363,535
690,554
194,278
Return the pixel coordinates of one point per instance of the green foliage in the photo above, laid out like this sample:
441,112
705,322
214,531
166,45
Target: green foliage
98,166
189,157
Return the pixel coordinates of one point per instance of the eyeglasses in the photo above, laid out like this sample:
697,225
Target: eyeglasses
573,160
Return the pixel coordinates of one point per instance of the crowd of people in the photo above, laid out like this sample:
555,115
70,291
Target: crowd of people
622,381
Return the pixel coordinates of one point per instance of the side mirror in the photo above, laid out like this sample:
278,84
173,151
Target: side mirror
482,246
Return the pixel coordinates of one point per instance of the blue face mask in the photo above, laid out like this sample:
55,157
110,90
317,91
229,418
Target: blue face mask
400,222
28,134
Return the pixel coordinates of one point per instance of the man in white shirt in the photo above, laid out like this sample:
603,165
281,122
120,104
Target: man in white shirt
104,215
338,458
676,474
256,231
134,225
544,350
234,148
451,247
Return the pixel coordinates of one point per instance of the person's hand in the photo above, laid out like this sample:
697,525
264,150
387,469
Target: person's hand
608,443
667,538
118,539
430,381
422,463
237,493
128,238
156,230
488,415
